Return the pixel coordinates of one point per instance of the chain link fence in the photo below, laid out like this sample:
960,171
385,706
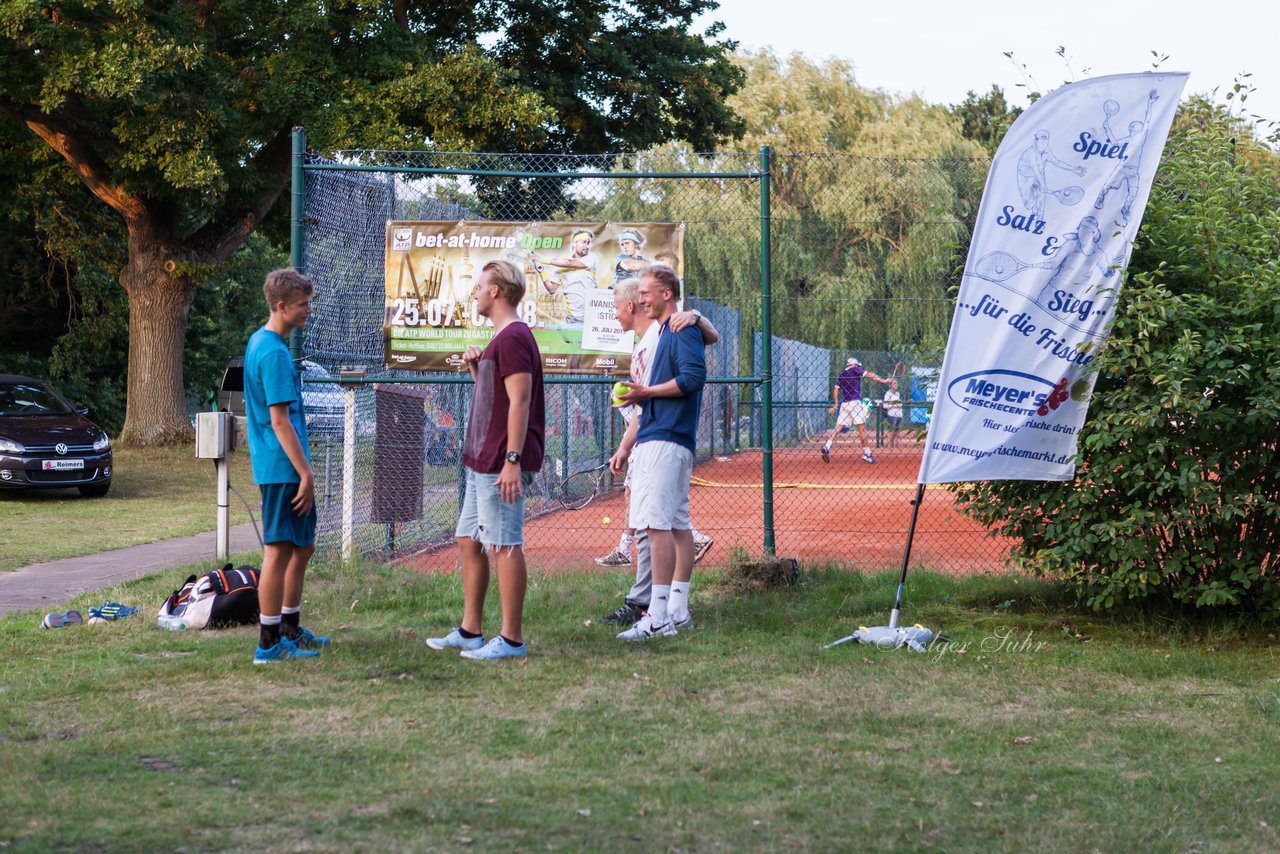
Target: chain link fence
861,256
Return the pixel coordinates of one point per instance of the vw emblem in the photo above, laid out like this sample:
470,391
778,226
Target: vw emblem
61,448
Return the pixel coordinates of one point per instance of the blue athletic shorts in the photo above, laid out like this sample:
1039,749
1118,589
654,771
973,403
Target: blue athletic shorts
486,518
279,523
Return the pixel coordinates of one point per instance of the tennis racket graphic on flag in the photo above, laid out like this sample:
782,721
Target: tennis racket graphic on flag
998,267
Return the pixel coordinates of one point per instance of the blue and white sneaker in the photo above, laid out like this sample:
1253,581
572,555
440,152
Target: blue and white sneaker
307,640
455,640
644,629
495,649
286,650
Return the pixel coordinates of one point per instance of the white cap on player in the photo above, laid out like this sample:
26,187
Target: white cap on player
852,362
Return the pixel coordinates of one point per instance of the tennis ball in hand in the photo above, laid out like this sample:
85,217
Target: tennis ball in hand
619,389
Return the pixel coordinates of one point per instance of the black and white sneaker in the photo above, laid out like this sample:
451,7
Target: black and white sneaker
644,629
626,614
615,558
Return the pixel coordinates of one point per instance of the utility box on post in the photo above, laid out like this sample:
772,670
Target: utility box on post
215,435
215,440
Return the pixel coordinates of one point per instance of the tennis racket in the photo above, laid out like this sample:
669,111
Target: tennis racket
581,488
998,267
1069,196
524,255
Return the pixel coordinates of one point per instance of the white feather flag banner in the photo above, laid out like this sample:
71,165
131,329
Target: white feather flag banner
1062,204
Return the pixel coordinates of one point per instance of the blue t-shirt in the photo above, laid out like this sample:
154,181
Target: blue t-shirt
679,356
269,378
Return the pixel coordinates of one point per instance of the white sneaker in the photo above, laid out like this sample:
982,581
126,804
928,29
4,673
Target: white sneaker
867,458
615,558
701,547
682,623
645,629
455,640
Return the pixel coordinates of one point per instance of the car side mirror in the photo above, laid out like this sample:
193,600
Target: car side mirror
82,411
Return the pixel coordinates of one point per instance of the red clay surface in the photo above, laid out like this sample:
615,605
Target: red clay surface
847,512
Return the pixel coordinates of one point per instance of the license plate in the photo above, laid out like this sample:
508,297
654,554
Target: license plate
63,465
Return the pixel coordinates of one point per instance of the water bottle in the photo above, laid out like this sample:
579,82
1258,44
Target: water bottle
173,624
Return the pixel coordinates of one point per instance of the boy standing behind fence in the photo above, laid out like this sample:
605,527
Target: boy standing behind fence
281,460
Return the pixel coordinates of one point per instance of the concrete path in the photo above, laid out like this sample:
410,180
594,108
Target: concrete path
48,586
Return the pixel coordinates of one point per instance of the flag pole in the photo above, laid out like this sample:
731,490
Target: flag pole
893,635
906,554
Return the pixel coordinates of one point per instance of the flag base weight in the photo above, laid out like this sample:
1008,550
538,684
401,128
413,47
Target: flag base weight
916,638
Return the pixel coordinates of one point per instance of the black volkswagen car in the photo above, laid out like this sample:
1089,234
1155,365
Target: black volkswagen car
46,443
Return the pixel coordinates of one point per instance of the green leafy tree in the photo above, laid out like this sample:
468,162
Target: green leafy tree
866,208
1177,495
985,118
177,115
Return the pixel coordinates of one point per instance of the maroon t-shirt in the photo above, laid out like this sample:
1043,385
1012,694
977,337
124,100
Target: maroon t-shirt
511,351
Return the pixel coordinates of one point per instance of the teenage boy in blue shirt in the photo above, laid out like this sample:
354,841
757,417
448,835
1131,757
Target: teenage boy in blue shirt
281,458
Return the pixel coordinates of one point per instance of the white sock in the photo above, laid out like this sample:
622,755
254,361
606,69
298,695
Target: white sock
679,607
625,541
658,600
828,445
866,449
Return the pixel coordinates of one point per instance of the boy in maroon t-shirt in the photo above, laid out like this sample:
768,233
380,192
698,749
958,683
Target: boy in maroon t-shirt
502,452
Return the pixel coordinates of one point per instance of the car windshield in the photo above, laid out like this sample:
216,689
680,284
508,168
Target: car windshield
26,399
311,370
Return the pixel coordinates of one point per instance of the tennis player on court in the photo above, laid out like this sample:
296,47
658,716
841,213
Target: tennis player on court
847,395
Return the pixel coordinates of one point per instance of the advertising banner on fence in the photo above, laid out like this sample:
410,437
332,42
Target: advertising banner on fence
570,269
1061,206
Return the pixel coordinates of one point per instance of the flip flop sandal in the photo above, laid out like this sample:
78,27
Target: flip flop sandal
54,620
113,611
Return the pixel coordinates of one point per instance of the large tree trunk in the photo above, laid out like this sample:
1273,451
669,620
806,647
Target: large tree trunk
159,300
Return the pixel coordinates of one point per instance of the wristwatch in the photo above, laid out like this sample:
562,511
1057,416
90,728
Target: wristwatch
697,315
513,456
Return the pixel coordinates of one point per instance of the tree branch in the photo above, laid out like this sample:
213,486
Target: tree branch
62,134
218,239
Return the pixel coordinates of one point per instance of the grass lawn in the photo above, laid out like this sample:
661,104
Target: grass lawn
155,493
1035,728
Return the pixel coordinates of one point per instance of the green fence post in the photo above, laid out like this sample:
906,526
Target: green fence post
766,346
297,203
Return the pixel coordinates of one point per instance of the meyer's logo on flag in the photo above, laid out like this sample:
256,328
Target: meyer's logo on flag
1061,206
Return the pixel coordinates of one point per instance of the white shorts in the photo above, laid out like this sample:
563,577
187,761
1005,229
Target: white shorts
660,486
852,413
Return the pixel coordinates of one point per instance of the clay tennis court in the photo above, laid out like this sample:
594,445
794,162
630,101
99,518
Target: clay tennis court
846,512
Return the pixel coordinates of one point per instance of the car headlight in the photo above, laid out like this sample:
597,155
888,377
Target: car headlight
8,446
102,443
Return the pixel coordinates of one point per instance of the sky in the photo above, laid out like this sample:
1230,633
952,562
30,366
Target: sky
941,49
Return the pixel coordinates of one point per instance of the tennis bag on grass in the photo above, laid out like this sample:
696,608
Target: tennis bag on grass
224,597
